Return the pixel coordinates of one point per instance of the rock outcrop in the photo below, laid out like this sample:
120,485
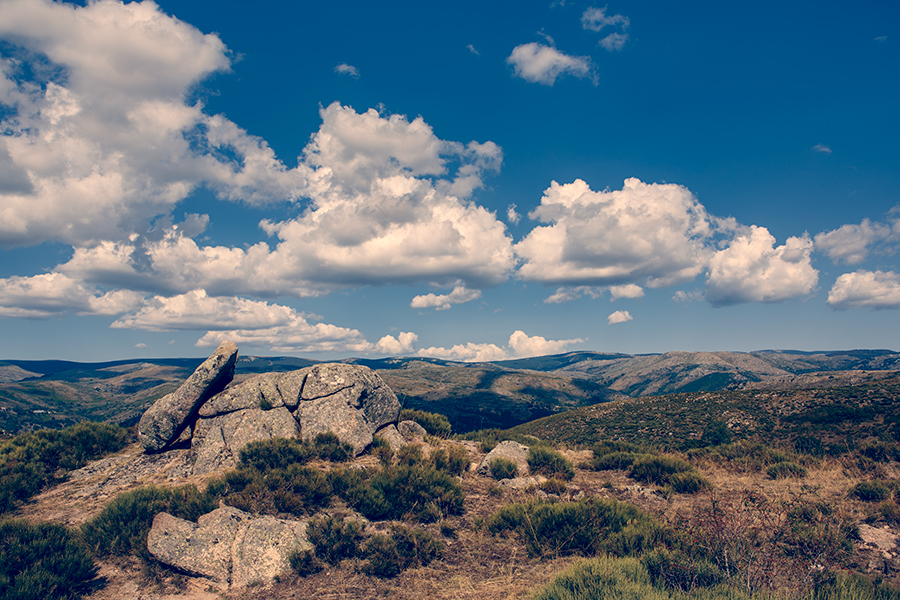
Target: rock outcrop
351,401
513,451
229,546
168,418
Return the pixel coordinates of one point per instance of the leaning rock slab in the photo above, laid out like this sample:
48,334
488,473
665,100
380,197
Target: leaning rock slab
164,422
227,545
351,401
513,451
218,441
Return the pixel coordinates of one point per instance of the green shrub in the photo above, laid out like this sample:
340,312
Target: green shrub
589,526
658,469
785,469
43,560
677,570
890,510
381,449
610,446
435,424
809,445
328,446
853,587
399,492
871,491
553,486
618,460
453,459
549,463
32,461
716,433
689,482
503,468
410,456
304,562
335,538
741,456
297,489
406,547
275,453
879,452
121,527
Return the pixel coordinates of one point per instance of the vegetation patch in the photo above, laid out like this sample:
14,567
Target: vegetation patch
549,463
39,561
29,462
504,468
434,423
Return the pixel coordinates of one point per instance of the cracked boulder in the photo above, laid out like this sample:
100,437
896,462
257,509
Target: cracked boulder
229,546
351,401
164,422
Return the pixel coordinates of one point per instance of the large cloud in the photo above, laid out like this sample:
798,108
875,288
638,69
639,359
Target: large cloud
54,295
652,234
104,138
384,209
753,269
542,64
866,289
852,244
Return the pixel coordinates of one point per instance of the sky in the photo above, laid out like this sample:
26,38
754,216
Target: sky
475,180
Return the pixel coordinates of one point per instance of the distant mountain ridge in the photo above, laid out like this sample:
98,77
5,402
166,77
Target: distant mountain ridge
53,393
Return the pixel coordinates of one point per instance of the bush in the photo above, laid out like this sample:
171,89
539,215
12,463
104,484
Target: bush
410,456
554,486
589,526
32,461
297,489
504,468
549,463
388,556
435,424
688,483
453,460
658,469
400,492
304,562
43,560
716,433
610,446
328,446
335,538
122,526
275,453
785,469
677,570
890,510
618,460
871,491
381,450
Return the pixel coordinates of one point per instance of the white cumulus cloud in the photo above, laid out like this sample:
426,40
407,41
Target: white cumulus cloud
345,69
620,316
643,234
524,346
596,19
459,295
520,345
98,152
542,64
753,269
469,352
866,289
629,290
54,295
851,244
402,344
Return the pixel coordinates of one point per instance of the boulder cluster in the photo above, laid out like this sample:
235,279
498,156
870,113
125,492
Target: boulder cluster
218,420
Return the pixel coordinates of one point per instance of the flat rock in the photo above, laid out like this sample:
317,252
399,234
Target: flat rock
269,390
164,422
218,441
228,545
510,450
351,401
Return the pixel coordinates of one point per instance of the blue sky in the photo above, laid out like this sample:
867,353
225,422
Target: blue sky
468,180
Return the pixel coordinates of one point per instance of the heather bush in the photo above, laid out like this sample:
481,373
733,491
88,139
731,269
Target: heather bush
617,460
871,491
658,469
676,569
304,562
590,526
335,538
785,469
43,560
503,468
399,492
405,547
29,462
296,489
435,424
121,527
275,453
453,459
549,463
